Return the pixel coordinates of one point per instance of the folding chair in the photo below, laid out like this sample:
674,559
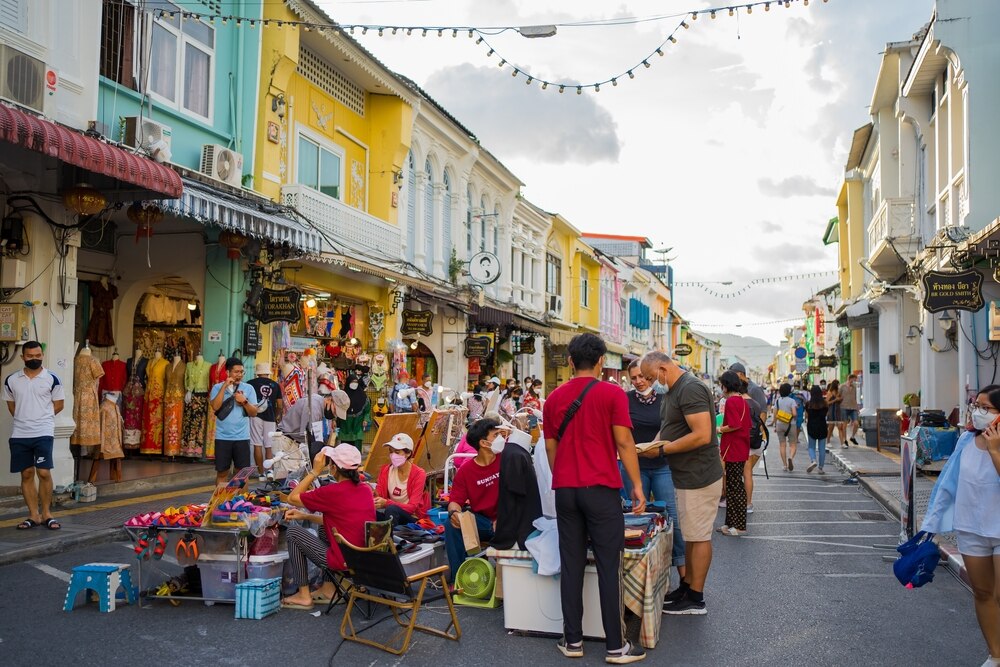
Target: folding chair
385,582
378,534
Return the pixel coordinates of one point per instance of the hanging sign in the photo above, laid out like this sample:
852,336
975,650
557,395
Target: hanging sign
527,345
484,267
251,338
478,347
953,291
280,305
417,322
827,361
682,350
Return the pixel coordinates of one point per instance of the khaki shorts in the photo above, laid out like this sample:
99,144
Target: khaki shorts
697,509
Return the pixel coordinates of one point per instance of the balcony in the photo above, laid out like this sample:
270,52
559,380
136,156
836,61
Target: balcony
893,237
352,231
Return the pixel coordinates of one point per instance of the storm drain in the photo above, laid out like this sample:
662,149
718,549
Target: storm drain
868,516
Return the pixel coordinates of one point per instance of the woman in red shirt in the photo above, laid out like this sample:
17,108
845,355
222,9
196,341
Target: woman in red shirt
399,492
343,507
734,445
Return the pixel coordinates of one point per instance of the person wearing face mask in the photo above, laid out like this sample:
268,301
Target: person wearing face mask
426,399
689,440
476,484
965,499
399,492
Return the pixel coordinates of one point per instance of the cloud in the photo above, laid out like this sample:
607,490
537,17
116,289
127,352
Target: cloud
562,129
767,226
794,186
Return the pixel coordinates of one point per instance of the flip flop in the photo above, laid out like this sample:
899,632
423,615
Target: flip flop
53,524
28,524
293,605
319,599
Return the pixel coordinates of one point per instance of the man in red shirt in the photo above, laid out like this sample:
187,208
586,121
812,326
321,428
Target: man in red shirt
477,484
587,429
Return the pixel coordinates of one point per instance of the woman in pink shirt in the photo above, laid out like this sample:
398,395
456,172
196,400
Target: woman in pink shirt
734,446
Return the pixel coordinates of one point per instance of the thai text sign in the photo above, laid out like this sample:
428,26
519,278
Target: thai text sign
477,346
953,291
417,322
280,305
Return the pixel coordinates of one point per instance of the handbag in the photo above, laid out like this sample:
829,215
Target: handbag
226,408
783,417
919,556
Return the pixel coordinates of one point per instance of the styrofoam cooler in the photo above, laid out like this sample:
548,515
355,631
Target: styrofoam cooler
532,602
266,567
258,598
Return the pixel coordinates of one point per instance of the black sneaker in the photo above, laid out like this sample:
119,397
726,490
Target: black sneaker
675,596
569,650
686,607
853,441
631,653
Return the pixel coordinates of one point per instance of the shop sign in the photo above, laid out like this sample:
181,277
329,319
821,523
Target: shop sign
251,338
527,345
417,322
827,361
478,346
280,305
682,350
873,368
953,291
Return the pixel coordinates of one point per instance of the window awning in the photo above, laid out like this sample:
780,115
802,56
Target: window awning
71,147
496,317
254,217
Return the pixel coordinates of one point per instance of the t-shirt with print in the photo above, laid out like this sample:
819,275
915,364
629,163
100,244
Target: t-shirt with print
346,507
699,467
34,414
479,486
269,390
586,455
236,425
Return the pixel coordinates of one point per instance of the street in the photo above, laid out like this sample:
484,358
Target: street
805,586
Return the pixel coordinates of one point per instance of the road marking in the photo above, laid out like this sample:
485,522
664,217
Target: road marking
858,575
821,542
795,500
789,537
848,553
807,523
832,509
51,571
120,503
811,493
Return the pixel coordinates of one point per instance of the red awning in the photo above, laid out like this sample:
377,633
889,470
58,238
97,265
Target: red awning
87,153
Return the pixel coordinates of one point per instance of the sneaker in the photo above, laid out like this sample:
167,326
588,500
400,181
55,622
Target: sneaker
629,653
750,508
722,503
820,472
854,441
674,597
686,607
991,662
262,479
791,465
570,650
844,445
812,466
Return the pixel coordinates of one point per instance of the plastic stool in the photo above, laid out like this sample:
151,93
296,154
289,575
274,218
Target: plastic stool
104,579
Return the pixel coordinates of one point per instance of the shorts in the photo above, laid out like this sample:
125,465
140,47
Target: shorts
850,415
696,509
31,453
792,432
970,544
260,432
232,452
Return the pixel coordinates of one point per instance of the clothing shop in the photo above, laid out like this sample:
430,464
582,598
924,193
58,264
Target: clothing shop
432,328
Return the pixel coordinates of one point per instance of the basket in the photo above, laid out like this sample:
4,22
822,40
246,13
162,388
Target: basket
258,598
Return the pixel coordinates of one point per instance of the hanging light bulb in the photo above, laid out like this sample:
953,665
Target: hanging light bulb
579,90
597,87
730,11
424,33
673,40
767,6
352,29
562,89
380,32
614,82
685,25
515,73
364,31
545,84
479,40
409,31
454,33
413,345
440,32
502,62
659,52
694,16
490,53
749,9
630,75
394,30
713,14
528,82
646,64
471,32
310,303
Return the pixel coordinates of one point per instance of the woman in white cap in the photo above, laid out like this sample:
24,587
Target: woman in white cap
342,507
399,492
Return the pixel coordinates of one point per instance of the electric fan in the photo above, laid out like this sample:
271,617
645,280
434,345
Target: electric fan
477,581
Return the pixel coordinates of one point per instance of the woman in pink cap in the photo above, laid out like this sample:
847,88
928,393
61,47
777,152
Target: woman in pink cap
399,492
342,507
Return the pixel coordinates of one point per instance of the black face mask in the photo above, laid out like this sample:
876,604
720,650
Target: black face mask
33,364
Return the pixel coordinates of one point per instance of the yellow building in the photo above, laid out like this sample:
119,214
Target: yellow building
585,275
560,293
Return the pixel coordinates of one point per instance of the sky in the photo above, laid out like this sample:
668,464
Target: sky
729,149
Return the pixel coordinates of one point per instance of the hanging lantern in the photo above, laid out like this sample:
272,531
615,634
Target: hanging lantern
233,243
84,199
145,215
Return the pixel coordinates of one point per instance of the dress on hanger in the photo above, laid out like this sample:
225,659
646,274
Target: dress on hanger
216,374
173,408
100,332
115,375
112,428
87,373
133,398
152,410
195,412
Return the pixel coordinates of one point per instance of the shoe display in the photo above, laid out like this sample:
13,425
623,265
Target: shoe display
812,466
630,653
686,607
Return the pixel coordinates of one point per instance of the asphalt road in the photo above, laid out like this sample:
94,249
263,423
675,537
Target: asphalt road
805,587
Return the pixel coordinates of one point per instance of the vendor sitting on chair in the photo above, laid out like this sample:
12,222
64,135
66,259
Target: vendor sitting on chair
399,492
343,508
478,484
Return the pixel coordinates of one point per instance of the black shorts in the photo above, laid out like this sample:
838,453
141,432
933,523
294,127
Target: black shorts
31,453
234,453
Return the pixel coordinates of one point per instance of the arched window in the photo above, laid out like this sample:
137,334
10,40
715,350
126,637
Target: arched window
411,209
429,216
469,234
446,222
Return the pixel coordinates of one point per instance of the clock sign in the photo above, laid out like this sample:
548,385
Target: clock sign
484,267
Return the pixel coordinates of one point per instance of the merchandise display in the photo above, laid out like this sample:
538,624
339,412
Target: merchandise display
152,414
173,406
87,373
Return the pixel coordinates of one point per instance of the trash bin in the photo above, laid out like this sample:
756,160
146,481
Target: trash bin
869,424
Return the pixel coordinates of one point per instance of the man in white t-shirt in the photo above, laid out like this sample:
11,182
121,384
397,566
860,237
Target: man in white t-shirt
34,397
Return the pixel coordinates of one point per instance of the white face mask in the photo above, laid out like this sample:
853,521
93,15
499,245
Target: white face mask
353,386
498,444
645,392
981,419
428,384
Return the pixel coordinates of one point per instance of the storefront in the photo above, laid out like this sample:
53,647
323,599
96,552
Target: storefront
518,350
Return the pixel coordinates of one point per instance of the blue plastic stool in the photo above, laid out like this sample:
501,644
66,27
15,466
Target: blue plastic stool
104,579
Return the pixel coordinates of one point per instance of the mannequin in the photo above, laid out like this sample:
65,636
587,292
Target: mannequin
196,408
152,413
216,374
115,374
173,406
87,373
133,399
112,429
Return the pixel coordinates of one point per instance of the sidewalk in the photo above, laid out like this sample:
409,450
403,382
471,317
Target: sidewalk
879,473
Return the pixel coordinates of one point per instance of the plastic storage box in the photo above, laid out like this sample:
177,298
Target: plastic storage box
218,576
266,567
532,602
417,561
258,598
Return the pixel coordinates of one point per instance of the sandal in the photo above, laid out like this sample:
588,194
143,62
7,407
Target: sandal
142,547
161,546
28,524
52,523
295,605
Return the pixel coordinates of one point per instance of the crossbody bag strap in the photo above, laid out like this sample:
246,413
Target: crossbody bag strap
571,410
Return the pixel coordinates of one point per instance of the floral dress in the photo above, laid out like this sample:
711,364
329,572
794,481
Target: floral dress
195,412
133,398
87,372
152,412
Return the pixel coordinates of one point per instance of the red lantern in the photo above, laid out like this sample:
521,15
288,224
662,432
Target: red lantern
233,243
144,215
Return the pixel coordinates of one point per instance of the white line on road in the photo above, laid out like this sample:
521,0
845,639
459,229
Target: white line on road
792,523
796,500
811,493
824,543
789,537
831,509
51,571
857,575
848,553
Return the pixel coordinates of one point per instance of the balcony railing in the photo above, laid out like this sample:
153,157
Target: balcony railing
894,219
351,230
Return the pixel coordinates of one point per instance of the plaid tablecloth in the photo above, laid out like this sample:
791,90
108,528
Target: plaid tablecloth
644,584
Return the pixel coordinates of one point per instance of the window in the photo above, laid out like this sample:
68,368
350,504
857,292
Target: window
429,216
318,167
13,14
411,209
553,274
585,288
117,42
446,221
468,222
482,224
181,73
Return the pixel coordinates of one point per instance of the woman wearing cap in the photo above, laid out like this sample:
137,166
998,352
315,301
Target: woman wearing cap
342,507
399,492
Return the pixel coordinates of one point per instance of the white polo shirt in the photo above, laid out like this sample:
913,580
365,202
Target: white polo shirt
34,414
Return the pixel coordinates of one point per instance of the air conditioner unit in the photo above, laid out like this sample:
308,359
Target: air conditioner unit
22,79
152,137
555,305
222,163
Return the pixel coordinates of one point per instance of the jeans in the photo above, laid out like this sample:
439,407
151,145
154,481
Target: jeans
399,516
454,545
815,443
658,483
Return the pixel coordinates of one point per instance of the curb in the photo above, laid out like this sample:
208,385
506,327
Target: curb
49,548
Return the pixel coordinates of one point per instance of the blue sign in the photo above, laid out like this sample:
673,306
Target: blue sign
800,353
